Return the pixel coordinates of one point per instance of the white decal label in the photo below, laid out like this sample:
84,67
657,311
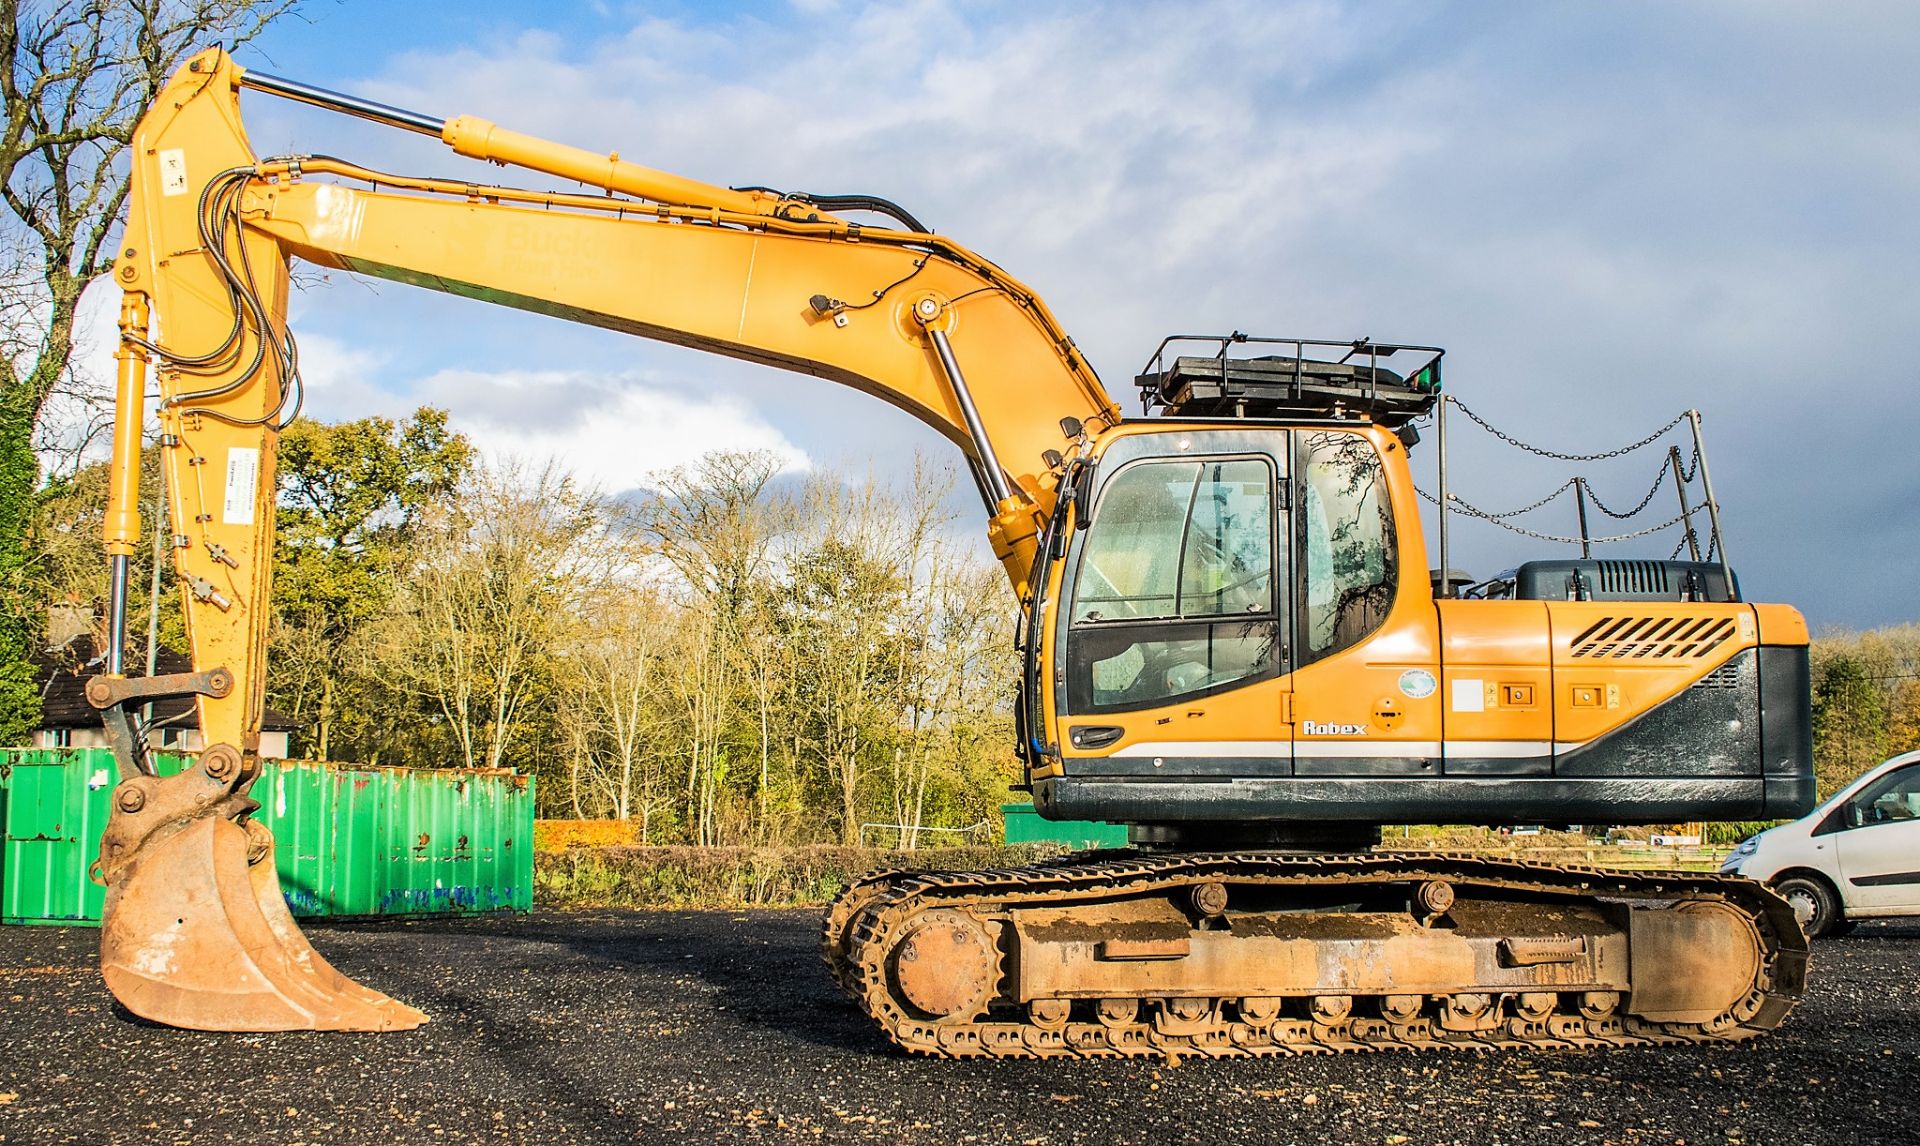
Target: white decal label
243,482
1469,696
1313,728
173,171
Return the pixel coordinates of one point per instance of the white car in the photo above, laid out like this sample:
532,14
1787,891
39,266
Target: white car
1856,856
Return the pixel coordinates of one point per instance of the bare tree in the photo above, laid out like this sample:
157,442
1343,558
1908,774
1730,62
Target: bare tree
764,664
716,523
926,674
486,599
615,651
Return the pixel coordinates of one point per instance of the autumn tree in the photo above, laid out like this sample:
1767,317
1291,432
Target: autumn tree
1849,723
352,499
69,577
1903,722
846,614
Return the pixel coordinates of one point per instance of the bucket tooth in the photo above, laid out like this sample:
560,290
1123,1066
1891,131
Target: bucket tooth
195,932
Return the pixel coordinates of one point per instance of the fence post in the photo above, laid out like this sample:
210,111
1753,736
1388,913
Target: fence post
1713,505
1580,500
1445,588
1686,512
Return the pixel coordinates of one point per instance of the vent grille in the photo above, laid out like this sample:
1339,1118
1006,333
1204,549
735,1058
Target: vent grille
1677,638
1726,676
1644,578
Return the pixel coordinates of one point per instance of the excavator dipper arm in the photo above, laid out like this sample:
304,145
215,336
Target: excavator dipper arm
195,932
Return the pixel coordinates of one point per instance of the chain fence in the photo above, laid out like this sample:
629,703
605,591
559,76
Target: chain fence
1460,505
1583,490
1559,457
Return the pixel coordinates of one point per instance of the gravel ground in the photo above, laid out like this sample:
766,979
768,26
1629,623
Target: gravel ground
641,1026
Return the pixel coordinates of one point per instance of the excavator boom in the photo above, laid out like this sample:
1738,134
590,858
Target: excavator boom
211,233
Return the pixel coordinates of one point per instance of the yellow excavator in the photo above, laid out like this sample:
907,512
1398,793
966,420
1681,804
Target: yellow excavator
1232,642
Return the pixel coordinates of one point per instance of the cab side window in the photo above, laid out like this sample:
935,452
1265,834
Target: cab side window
1348,561
1895,796
1175,591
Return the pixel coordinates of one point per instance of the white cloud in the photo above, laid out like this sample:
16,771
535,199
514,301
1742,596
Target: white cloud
346,381
613,433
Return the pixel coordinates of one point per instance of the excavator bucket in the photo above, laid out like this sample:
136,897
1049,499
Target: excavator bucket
195,932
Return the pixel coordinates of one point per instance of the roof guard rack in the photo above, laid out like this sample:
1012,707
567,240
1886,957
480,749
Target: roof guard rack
1320,378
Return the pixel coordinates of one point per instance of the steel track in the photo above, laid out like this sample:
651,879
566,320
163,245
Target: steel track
877,912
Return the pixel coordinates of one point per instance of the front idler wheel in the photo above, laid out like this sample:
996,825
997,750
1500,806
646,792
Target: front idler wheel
947,968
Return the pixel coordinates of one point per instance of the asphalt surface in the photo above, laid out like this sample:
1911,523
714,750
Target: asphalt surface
667,1027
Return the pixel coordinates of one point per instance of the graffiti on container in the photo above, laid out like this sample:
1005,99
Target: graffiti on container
301,901
457,898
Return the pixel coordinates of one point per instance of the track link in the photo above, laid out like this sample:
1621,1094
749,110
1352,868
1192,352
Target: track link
865,927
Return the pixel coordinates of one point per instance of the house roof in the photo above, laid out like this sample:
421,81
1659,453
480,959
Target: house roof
61,673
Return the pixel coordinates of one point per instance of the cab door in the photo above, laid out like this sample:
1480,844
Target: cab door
1878,845
1174,628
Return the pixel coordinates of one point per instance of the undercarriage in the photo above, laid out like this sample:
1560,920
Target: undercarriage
1265,953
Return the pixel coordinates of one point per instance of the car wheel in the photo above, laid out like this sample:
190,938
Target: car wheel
1813,903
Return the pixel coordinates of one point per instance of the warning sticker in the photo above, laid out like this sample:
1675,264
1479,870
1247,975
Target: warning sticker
243,482
173,171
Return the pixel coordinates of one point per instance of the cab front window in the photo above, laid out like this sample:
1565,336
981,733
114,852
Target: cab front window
1175,591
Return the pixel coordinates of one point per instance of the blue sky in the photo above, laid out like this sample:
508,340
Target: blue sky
1607,213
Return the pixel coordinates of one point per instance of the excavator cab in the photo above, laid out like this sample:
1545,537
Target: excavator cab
1246,647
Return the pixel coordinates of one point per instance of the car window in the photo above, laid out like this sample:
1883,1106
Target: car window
1895,796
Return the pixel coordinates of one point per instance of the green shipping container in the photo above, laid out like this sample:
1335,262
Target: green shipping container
1024,826
349,840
